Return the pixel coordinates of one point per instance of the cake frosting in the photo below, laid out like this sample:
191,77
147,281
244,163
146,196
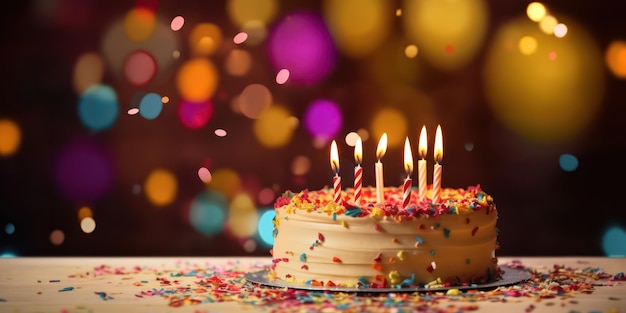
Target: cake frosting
382,245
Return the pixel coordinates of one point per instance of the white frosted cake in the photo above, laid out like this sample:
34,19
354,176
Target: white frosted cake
381,245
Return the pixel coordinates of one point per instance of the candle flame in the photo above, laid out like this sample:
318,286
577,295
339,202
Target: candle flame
358,151
423,143
334,157
438,145
382,146
408,157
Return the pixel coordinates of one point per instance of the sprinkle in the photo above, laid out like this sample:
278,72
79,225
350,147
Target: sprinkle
377,267
54,280
419,241
392,259
376,227
394,277
303,257
304,267
66,289
363,281
378,258
432,252
344,224
434,265
446,232
320,237
400,255
336,260
354,212
394,240
334,216
474,230
467,261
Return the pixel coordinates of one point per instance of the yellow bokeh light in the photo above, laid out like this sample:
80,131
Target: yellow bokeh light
392,122
10,137
225,181
197,80
560,30
139,24
410,51
84,212
205,39
358,26
161,187
541,100
242,216
436,25
274,128
254,100
527,45
88,71
243,11
536,11
238,62
615,58
547,24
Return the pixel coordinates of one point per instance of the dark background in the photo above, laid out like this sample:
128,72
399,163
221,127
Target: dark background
543,209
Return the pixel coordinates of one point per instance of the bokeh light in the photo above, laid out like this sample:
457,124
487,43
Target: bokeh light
323,119
11,137
88,225
545,101
358,26
242,11
560,30
161,187
266,226
205,175
140,68
547,24
177,23
614,242
207,213
266,196
411,51
139,24
88,71
282,76
195,115
238,62
433,25
536,11
254,100
197,80
615,58
240,38
242,216
392,122
351,138
568,162
205,39
150,106
226,181
527,45
84,212
83,171
300,165
220,132
98,107
275,127
257,32
9,228
301,43
57,237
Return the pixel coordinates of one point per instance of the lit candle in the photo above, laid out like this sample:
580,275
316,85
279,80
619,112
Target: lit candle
358,170
380,152
437,171
408,168
421,164
334,164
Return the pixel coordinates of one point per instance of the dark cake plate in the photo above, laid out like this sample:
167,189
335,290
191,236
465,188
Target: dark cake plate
510,276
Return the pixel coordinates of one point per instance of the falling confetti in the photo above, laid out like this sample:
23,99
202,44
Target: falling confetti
205,175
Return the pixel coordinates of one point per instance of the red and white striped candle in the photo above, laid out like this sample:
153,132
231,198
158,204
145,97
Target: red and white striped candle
438,167
408,168
334,164
358,170
421,164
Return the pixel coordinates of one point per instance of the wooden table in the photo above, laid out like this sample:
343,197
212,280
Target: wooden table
198,284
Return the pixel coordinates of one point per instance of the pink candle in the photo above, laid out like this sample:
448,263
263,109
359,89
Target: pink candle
358,170
421,164
334,164
408,167
438,167
380,152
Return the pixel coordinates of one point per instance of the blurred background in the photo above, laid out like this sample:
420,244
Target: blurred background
159,127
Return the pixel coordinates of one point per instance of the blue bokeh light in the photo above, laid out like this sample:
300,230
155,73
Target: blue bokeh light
98,107
614,242
266,227
207,213
150,106
9,228
568,162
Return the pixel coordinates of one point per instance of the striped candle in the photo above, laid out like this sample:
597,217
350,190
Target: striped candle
408,168
358,171
421,164
337,188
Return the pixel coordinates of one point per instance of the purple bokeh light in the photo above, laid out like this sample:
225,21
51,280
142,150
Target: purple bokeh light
195,115
323,119
301,43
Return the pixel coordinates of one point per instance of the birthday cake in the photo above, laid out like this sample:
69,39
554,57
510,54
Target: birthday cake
321,242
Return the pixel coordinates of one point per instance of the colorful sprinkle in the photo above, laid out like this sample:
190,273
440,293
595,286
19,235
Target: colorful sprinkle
336,260
474,230
303,257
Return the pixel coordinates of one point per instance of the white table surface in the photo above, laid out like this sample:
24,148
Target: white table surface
124,284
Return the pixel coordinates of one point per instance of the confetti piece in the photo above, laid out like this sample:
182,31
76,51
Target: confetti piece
66,289
240,38
282,76
205,175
